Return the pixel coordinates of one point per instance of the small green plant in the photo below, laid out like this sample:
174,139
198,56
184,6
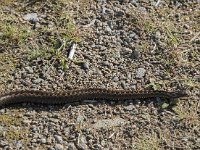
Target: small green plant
57,51
190,82
13,134
153,84
72,33
7,64
148,143
36,53
150,26
9,120
172,39
68,34
13,34
190,114
64,64
6,2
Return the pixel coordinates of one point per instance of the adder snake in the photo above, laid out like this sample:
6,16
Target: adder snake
75,95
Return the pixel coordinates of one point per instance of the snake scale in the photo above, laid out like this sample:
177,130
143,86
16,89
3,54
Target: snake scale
75,95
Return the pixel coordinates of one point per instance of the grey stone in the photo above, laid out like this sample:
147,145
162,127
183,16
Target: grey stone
98,146
29,69
101,1
123,84
129,108
85,65
26,121
30,113
34,129
1,128
132,35
106,63
36,81
37,25
32,17
59,147
126,51
108,29
135,54
43,140
119,13
129,76
3,110
1,34
82,142
80,118
50,139
132,86
25,82
50,148
3,143
33,140
157,35
58,139
115,79
50,24
107,123
140,72
71,146
54,120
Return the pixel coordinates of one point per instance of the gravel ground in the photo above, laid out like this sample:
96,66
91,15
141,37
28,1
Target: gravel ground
123,44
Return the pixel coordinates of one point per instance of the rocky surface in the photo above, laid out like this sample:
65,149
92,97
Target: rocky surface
125,44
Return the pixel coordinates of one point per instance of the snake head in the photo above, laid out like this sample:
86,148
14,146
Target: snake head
179,94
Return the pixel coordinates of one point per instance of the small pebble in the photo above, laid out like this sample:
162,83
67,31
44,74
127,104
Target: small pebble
58,139
59,147
32,17
140,73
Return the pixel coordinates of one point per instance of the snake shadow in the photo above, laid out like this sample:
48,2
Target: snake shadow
155,102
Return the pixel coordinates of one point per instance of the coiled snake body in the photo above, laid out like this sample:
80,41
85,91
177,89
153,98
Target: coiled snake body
75,95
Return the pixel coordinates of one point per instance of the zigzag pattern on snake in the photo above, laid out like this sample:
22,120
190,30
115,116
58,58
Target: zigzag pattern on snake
75,95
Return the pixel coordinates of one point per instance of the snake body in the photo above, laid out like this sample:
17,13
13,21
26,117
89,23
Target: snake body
75,95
